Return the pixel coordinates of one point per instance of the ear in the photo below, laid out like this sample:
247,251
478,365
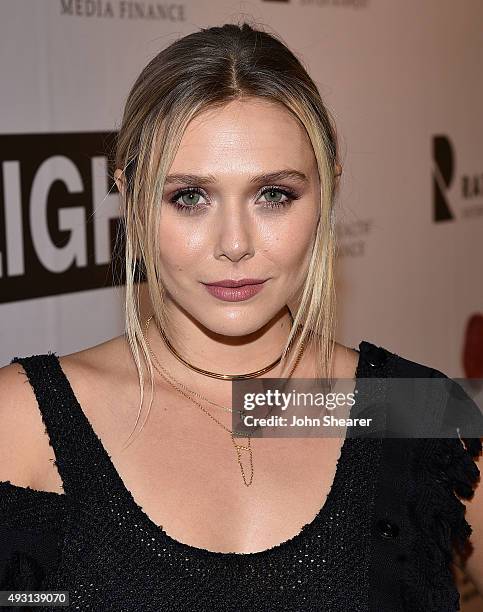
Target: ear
337,175
120,179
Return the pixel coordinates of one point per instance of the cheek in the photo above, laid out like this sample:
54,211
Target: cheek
290,243
180,246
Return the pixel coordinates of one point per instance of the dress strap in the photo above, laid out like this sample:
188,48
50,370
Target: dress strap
80,458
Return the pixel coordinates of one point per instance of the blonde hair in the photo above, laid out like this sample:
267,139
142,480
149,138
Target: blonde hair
205,70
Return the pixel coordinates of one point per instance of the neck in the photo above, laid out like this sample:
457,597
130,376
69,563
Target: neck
216,352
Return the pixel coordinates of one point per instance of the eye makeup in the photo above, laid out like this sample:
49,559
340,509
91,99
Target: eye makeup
189,209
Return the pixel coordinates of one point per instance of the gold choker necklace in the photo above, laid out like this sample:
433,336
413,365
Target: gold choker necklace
238,447
214,374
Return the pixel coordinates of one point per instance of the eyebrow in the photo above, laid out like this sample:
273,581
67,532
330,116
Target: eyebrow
270,177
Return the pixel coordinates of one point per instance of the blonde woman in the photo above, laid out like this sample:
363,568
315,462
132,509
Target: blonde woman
140,497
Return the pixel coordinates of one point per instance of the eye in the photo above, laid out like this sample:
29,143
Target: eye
189,200
274,194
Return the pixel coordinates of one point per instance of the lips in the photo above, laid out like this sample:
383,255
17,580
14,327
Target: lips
239,293
236,283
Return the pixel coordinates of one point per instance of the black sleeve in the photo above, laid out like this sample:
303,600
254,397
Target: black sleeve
31,537
26,557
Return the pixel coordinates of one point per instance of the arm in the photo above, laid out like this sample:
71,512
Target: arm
25,451
472,562
29,518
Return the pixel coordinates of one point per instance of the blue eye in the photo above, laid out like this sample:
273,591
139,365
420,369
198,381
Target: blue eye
189,197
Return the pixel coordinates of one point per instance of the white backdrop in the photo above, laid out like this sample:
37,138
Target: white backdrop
403,79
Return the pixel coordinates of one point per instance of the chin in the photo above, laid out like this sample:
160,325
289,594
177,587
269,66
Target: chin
227,326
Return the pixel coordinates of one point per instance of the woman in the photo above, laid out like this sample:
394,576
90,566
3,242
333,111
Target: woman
227,166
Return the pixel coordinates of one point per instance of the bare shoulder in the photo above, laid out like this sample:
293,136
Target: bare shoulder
105,382
346,360
101,375
26,456
92,365
22,432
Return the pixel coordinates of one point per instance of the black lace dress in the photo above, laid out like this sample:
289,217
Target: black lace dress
381,542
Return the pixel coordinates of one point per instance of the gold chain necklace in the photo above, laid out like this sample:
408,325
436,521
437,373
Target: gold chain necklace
169,377
238,447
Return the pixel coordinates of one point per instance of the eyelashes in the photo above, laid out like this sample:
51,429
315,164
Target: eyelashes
189,209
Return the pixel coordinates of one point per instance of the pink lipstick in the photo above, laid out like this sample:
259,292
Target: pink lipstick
231,290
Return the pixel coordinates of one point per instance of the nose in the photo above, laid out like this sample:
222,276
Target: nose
234,233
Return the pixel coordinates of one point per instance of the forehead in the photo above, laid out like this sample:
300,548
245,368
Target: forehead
249,135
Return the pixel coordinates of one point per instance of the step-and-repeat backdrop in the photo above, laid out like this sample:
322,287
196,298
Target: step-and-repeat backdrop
403,81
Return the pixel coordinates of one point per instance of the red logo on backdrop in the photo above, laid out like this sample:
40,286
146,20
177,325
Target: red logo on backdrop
473,347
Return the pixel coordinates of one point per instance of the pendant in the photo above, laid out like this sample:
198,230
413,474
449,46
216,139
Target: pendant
238,448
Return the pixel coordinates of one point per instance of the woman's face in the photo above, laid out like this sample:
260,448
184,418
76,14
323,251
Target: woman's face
230,220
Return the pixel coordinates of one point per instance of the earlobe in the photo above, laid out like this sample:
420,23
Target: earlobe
119,178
